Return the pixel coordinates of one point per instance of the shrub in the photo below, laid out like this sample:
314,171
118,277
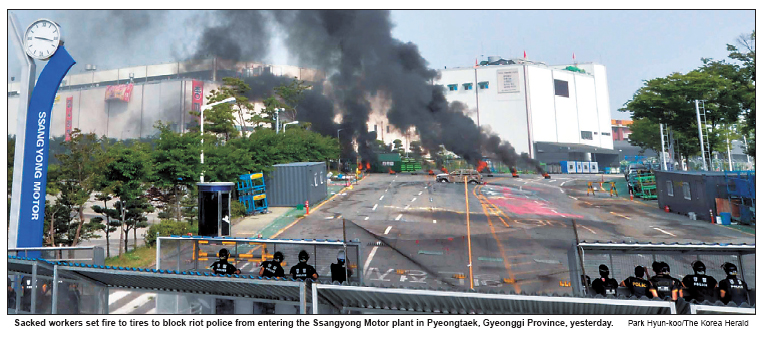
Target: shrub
238,209
166,228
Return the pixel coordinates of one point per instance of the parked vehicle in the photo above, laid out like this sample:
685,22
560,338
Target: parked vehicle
457,176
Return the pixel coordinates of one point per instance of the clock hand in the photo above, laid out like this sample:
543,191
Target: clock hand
43,38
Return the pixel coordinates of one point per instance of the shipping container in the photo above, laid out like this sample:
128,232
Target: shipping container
585,166
568,167
292,184
691,191
389,161
593,167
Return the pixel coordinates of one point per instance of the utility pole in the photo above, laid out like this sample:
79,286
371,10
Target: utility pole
701,136
729,155
663,153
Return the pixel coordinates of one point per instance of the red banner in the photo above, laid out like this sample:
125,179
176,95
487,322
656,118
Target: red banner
197,95
119,92
69,111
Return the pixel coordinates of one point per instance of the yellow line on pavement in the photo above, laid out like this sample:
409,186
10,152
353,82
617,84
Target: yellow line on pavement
502,250
315,209
737,230
613,213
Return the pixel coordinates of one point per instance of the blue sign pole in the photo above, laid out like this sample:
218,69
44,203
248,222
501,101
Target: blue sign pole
36,147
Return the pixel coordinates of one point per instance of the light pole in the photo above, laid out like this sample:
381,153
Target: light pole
276,112
338,145
203,110
284,126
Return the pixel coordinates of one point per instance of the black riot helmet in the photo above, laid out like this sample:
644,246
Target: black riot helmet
730,269
603,270
698,267
661,268
279,257
640,271
223,254
341,257
303,256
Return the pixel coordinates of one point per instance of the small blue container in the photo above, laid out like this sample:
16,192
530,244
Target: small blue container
726,218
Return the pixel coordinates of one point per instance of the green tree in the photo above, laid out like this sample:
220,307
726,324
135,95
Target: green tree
291,95
133,217
110,225
125,171
176,161
11,156
416,149
78,168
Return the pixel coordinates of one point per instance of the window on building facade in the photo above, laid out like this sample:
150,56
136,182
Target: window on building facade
561,88
670,188
375,128
686,190
467,86
484,85
453,87
606,134
388,129
586,135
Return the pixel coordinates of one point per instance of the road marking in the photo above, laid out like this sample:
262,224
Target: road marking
536,202
117,295
562,184
420,193
552,181
663,231
613,213
562,190
413,199
434,221
329,217
387,230
554,210
407,205
366,218
383,196
398,218
374,207
588,228
574,198
369,260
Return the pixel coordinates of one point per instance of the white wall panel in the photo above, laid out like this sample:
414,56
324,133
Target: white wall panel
566,111
586,108
542,104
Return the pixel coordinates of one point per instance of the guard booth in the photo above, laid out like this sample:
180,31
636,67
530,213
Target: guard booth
214,204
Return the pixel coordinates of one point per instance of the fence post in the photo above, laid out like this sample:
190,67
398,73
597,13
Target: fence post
55,290
98,256
303,298
314,299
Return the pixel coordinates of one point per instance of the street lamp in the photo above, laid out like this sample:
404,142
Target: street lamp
284,126
338,154
202,110
276,112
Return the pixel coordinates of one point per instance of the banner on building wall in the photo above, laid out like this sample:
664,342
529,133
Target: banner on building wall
197,95
119,92
69,112
508,80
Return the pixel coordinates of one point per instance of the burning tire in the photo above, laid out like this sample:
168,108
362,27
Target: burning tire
473,182
443,180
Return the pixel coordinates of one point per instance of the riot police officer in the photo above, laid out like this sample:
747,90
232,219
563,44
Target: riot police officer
638,286
604,285
732,288
700,286
340,272
663,285
302,270
222,266
273,268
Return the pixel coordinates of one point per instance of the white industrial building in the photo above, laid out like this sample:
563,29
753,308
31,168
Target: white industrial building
553,113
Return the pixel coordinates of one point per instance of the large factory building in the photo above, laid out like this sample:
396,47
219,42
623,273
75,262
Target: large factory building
553,113
127,102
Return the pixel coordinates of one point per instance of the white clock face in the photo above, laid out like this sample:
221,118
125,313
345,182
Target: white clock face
42,39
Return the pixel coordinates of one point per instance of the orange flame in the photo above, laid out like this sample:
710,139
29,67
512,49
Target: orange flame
391,171
431,172
368,166
546,175
514,172
360,166
481,165
445,170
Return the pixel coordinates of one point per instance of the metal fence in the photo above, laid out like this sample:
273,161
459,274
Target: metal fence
88,254
198,253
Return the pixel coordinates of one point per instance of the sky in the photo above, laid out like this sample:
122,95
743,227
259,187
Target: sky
634,45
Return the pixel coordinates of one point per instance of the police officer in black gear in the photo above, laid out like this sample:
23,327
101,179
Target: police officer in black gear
26,294
273,268
223,267
302,270
638,286
340,272
605,285
732,288
663,285
699,285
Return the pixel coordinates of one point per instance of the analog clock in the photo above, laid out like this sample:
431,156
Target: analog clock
42,38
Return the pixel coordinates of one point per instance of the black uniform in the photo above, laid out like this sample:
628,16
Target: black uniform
272,269
664,285
700,287
339,272
303,271
223,267
639,287
735,290
26,293
605,286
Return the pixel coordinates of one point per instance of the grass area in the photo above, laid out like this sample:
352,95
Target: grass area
142,257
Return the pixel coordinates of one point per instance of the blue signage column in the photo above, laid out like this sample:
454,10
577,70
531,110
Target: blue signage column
34,179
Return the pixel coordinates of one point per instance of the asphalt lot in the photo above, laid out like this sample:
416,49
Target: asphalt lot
521,229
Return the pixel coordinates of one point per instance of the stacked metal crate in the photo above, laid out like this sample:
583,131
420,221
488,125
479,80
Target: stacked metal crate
251,191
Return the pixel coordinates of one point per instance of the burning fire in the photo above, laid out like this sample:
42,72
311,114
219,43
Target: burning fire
514,172
445,170
368,166
360,165
481,165
391,171
430,172
546,175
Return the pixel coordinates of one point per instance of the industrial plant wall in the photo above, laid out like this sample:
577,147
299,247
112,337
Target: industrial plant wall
121,111
292,184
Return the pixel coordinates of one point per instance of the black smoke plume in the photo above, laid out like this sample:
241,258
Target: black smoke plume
362,60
